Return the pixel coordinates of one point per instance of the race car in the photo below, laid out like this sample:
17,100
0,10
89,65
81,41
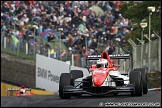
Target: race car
104,78
22,91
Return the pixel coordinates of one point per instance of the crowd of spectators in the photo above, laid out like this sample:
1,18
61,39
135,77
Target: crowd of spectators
84,30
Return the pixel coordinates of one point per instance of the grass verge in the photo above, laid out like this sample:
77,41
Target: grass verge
16,53
154,79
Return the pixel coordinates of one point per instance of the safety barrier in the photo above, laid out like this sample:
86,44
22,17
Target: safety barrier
48,72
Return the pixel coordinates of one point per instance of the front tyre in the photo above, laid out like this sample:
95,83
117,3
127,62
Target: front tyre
65,79
76,74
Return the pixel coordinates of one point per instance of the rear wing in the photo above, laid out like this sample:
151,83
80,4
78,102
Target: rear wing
97,57
115,56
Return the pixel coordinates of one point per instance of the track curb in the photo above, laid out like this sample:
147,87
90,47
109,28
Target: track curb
155,89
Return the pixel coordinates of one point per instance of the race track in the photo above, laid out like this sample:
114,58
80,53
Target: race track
152,98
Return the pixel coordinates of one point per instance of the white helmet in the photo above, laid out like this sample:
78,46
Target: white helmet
22,91
102,63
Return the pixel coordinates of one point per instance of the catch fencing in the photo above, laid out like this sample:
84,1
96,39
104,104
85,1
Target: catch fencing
148,55
18,46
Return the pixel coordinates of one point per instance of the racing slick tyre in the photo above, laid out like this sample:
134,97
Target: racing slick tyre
135,78
74,75
65,79
144,79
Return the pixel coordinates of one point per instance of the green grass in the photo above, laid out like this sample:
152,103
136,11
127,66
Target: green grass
18,54
154,80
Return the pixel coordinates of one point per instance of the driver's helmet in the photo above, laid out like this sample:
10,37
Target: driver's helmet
102,63
22,90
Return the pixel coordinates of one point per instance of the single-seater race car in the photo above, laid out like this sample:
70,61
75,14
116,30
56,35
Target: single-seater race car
23,91
104,78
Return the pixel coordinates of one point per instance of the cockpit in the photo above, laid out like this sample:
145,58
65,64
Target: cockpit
102,63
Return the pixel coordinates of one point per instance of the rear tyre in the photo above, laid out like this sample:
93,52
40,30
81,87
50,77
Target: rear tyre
65,79
144,79
135,78
76,74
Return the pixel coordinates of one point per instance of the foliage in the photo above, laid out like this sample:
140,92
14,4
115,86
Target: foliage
136,12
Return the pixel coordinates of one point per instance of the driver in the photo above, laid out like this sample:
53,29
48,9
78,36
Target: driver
22,90
102,63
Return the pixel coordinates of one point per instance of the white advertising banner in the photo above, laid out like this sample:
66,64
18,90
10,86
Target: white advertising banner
48,71
85,70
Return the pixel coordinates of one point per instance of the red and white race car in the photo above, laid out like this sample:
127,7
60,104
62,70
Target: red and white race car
23,91
104,78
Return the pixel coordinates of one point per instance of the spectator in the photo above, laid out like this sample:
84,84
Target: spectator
40,29
25,19
75,17
93,46
123,41
110,49
51,36
63,55
107,48
86,11
87,53
54,19
21,23
52,53
3,26
109,36
70,40
31,2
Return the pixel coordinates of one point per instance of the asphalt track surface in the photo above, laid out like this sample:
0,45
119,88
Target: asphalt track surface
121,100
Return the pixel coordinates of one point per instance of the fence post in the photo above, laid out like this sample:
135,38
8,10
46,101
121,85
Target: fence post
149,57
124,65
134,57
72,60
118,53
159,54
1,40
18,46
141,55
5,41
48,52
26,48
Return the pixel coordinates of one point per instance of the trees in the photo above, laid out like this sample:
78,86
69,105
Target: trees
136,12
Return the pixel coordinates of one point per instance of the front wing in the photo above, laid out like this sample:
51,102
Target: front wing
118,89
